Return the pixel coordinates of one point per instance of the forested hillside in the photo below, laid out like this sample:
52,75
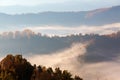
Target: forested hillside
18,68
102,48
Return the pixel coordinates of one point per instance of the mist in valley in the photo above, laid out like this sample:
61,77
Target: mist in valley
70,59
91,56
86,43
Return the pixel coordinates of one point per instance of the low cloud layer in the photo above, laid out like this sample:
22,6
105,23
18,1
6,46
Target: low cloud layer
68,59
64,57
64,30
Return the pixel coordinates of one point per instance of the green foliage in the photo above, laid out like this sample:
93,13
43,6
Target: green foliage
17,68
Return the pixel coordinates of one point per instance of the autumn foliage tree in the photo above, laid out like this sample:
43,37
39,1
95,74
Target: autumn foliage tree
18,68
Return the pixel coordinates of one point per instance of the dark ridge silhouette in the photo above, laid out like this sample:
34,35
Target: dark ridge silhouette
18,68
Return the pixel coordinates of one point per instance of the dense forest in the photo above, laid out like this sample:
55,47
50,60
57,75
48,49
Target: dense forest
27,42
18,68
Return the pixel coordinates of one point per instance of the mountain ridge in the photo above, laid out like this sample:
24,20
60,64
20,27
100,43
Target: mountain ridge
99,17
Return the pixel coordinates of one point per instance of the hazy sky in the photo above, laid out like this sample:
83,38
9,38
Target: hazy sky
34,6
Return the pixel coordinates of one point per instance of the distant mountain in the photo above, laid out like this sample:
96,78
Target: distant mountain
95,17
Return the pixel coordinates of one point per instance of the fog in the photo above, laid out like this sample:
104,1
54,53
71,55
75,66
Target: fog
84,29
69,59
52,30
63,58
